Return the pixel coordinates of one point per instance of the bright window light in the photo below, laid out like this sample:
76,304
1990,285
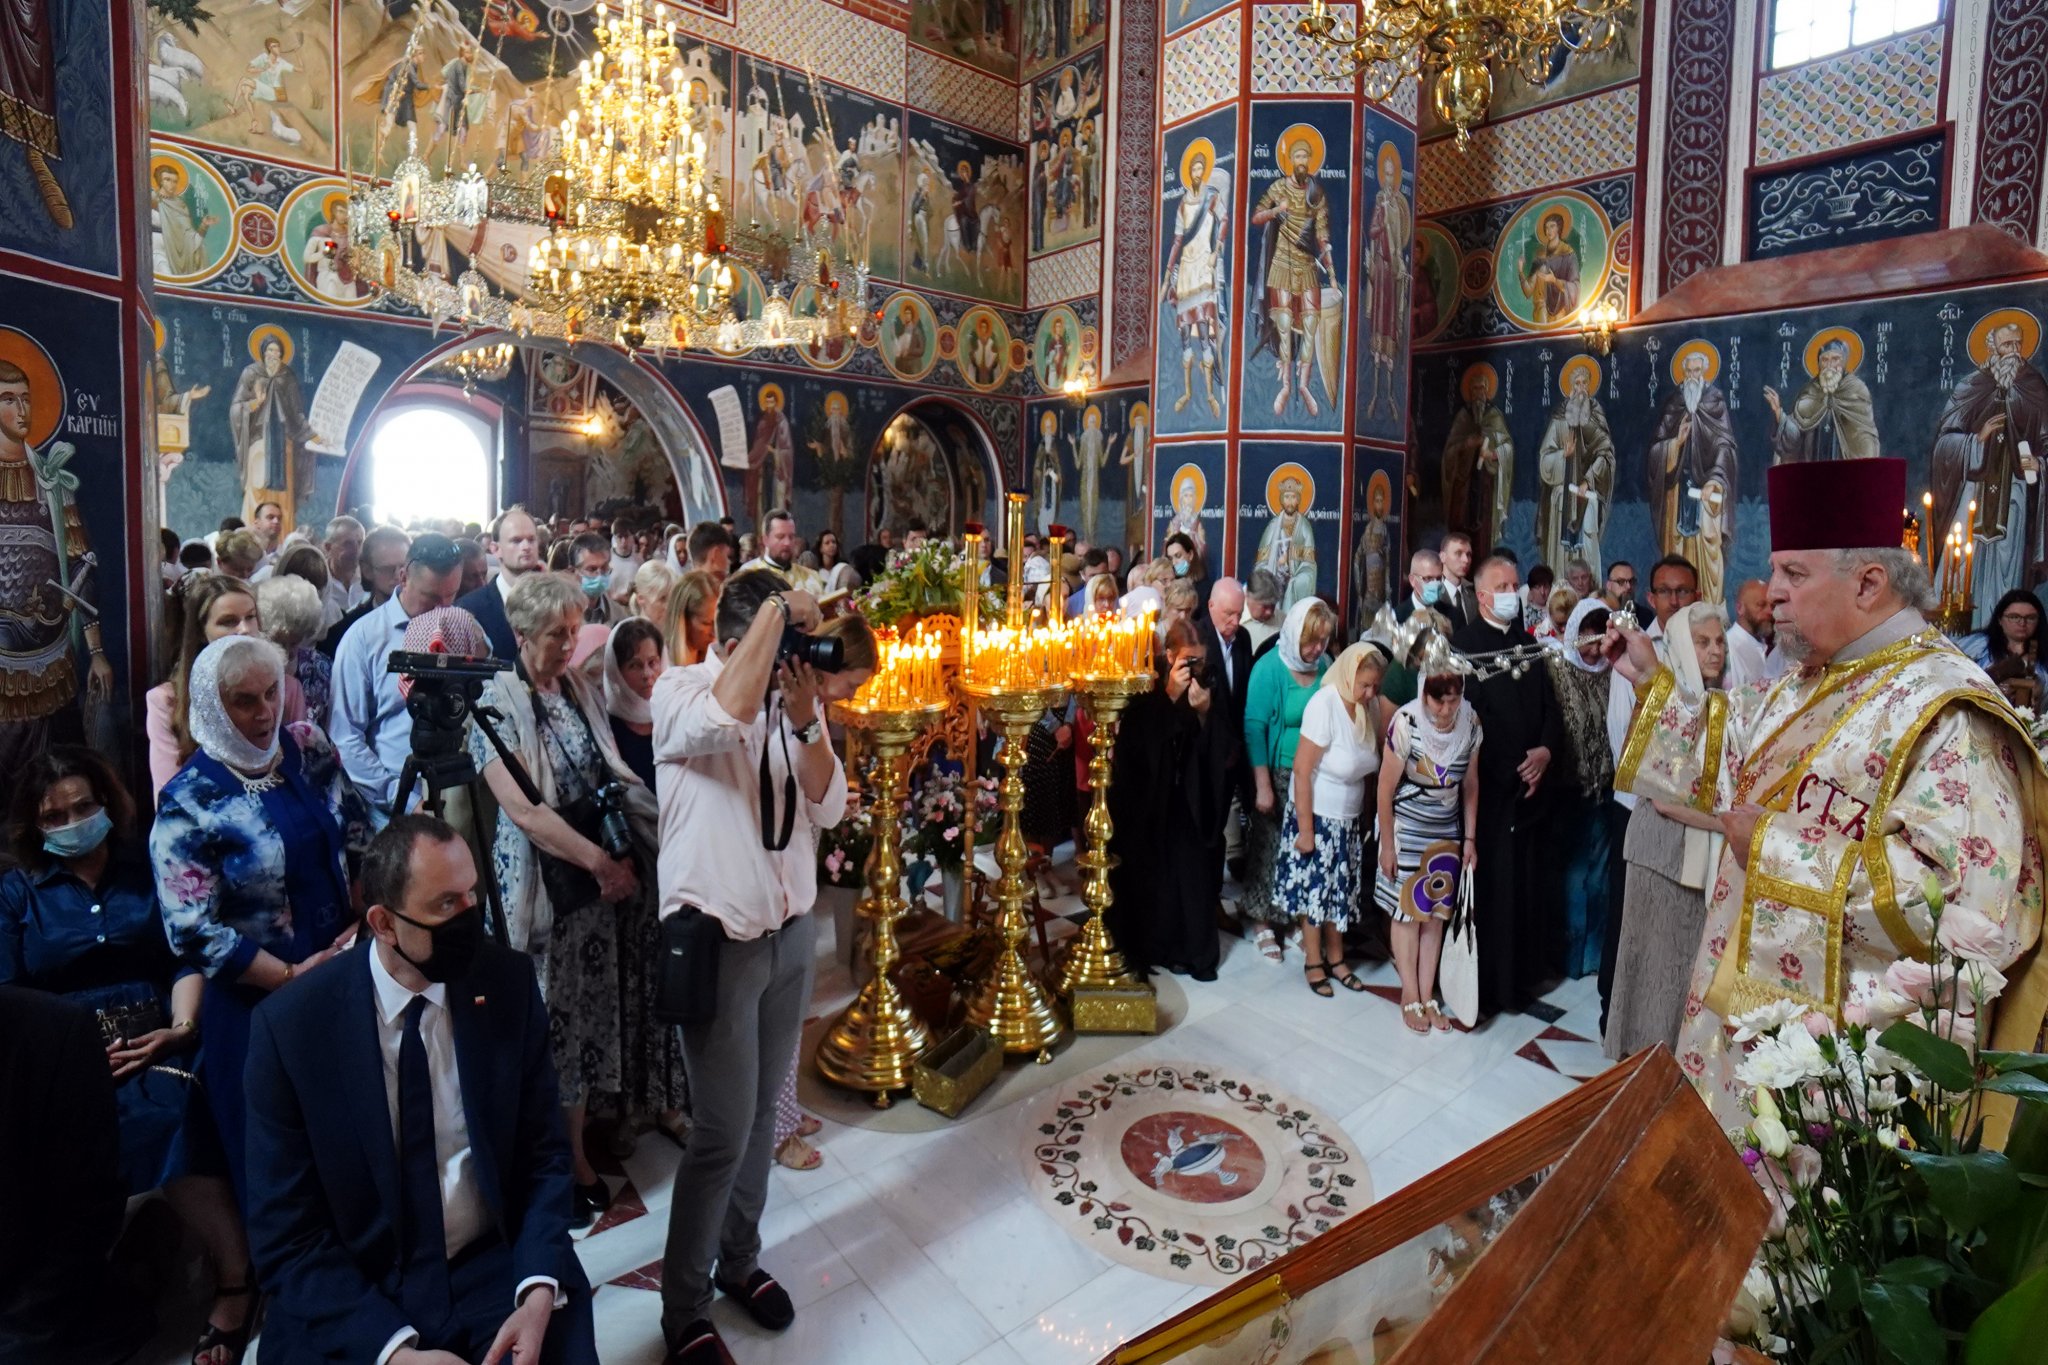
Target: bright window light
429,462
1802,30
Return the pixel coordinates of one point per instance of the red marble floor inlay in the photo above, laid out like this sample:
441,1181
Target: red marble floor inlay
626,1206
646,1277
1199,1158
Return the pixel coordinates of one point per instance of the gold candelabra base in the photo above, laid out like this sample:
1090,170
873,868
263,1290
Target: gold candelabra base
871,1046
1010,1003
1092,962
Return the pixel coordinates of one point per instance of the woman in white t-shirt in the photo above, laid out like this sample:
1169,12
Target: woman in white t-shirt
1320,874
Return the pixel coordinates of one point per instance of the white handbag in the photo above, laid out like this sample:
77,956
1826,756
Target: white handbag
1458,970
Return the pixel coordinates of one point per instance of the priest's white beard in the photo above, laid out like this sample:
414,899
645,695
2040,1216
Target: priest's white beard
1795,647
1578,410
2005,369
1693,389
1830,380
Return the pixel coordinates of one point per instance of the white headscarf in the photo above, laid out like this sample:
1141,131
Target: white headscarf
679,553
229,659
1568,642
620,699
1342,678
1289,643
1678,650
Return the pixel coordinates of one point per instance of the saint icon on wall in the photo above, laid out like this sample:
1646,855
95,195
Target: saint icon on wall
1287,547
1989,447
1190,491
1551,260
1832,418
1196,265
267,420
1299,314
771,456
1693,461
47,575
1375,548
1576,465
1389,237
1479,460
1045,472
1092,451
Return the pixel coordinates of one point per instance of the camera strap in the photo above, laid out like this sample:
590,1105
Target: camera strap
540,719
771,840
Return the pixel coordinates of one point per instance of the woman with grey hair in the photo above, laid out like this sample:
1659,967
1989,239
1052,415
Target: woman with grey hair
555,722
289,607
250,850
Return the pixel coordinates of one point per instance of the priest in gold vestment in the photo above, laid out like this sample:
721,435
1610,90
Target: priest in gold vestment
1884,761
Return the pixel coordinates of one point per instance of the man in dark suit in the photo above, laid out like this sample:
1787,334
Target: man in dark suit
515,540
1516,913
1230,658
1459,591
1426,588
410,1185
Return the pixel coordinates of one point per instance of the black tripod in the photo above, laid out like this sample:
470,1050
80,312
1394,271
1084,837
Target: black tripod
440,758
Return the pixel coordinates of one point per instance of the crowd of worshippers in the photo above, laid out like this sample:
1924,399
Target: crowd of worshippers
371,1060
270,990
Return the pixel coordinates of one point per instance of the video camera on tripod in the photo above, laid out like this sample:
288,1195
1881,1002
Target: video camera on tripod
442,701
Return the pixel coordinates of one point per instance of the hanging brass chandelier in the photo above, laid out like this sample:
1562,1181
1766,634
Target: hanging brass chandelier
634,249
1460,43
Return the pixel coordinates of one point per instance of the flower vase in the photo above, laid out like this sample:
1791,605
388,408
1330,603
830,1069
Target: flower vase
955,892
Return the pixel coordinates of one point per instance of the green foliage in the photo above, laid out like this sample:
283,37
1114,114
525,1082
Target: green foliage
919,583
185,13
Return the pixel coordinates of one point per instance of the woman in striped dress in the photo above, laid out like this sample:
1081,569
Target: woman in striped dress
1428,799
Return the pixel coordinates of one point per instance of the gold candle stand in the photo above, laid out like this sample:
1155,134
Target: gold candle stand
1011,1003
871,1046
1093,963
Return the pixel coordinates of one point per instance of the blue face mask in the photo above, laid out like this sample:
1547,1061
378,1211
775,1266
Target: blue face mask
80,837
1432,592
594,585
1180,568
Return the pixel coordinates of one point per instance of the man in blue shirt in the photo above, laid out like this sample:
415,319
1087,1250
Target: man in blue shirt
371,729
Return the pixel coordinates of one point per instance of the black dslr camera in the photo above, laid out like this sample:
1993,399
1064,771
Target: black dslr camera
444,689
608,804
825,653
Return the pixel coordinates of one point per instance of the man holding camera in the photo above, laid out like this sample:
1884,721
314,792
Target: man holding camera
745,774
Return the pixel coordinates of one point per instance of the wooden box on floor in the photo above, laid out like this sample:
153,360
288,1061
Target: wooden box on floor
1611,1228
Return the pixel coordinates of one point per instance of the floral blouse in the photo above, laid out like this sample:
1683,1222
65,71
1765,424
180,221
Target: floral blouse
220,857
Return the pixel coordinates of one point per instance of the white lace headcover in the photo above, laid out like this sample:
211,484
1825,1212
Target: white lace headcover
231,660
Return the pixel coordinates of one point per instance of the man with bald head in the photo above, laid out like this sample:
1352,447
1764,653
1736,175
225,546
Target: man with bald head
1230,649
1427,588
1749,636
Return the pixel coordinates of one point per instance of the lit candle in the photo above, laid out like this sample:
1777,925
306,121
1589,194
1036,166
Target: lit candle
1927,527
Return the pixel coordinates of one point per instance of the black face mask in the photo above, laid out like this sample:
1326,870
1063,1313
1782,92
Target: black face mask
456,942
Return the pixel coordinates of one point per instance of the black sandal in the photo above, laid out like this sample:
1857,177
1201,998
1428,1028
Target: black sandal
1348,978
1319,986
236,1341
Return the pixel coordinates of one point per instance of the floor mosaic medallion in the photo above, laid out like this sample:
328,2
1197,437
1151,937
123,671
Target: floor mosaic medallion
1190,1173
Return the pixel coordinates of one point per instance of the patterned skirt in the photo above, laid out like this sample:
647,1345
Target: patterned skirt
1429,845
581,982
1258,899
1321,887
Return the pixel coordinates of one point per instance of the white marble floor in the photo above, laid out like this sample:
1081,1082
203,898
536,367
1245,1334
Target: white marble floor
928,1248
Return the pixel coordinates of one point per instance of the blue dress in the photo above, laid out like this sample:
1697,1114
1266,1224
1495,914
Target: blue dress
104,948
238,872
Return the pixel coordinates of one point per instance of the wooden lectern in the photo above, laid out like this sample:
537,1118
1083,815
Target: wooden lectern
1611,1228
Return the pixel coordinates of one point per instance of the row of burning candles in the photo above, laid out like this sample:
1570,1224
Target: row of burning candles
1955,574
911,672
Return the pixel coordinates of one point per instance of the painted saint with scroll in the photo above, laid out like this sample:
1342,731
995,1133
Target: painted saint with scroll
1990,447
1576,466
1693,460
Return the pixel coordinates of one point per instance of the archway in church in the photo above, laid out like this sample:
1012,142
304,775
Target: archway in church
580,427
935,465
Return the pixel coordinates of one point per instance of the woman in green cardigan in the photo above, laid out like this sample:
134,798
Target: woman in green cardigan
1281,684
